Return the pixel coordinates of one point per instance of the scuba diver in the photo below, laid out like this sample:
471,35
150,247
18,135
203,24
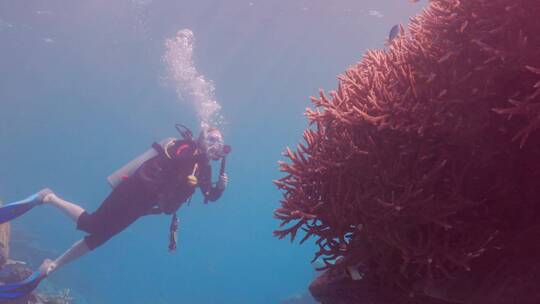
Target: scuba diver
159,181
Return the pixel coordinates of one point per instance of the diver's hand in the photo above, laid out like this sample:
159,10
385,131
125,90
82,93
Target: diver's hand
47,267
223,181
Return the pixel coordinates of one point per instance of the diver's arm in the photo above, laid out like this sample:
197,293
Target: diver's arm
211,193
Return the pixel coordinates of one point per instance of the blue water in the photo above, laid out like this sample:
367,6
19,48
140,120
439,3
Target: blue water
82,92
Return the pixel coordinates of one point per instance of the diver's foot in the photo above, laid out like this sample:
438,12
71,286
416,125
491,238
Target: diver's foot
47,267
45,196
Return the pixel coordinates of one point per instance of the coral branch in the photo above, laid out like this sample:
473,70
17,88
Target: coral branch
410,168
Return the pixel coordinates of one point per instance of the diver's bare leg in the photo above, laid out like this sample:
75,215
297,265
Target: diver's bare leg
76,251
72,210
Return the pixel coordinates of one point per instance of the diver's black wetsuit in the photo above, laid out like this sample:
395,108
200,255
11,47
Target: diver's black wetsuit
160,179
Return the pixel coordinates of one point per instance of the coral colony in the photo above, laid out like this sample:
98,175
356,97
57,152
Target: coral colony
425,158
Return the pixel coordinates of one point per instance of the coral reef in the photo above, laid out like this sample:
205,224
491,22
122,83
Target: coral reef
422,167
15,271
63,297
5,235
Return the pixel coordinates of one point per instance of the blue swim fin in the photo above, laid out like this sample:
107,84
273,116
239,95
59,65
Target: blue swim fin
21,289
16,209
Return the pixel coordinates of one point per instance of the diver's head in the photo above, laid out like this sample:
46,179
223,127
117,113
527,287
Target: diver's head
211,142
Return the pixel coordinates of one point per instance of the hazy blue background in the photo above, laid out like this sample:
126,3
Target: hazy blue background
81,93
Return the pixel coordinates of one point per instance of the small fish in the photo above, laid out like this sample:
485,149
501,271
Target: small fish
393,32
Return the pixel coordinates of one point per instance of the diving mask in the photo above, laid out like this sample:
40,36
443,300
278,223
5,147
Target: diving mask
214,145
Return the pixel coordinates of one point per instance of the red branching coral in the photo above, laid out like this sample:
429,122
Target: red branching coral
426,155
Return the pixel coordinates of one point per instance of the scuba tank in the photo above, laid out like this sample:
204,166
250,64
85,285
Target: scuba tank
128,169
